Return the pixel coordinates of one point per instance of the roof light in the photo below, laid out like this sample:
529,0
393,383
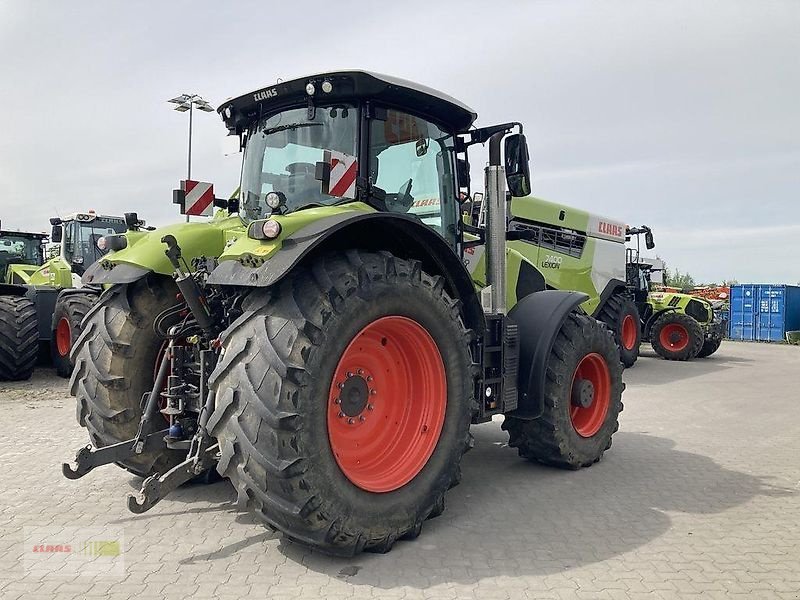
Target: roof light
310,89
327,87
274,199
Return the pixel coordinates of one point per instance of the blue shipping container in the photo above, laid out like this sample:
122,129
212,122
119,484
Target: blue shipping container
764,312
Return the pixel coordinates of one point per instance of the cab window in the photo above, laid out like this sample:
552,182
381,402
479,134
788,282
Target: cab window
411,159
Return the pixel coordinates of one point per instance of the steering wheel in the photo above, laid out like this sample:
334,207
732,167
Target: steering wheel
402,200
301,168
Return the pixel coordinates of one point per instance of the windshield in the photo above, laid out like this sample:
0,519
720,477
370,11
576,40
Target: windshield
19,249
282,155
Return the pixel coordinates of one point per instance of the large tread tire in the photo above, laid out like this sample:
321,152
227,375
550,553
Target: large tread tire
552,439
692,328
114,367
708,348
620,313
19,338
272,387
69,313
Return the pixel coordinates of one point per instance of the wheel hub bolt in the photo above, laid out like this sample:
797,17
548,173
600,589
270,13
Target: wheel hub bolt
361,371
337,401
340,385
362,418
341,414
351,420
373,392
369,377
370,407
349,374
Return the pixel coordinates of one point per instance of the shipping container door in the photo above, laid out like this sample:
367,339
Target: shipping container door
771,302
743,312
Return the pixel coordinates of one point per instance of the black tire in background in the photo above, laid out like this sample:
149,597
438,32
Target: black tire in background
708,348
676,336
273,389
19,338
622,317
68,315
560,437
114,366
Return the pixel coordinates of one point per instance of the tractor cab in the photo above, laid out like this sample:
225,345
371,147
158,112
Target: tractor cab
349,136
23,250
77,235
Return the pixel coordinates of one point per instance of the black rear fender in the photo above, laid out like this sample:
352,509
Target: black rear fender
539,318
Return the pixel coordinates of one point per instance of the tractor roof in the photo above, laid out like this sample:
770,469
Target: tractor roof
27,234
348,86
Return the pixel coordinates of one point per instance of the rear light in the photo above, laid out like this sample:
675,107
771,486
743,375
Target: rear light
264,230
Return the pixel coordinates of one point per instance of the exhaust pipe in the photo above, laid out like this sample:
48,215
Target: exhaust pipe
496,225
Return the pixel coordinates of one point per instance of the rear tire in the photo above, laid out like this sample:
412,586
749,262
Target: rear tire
676,336
622,317
281,432
114,367
68,315
708,348
19,338
565,436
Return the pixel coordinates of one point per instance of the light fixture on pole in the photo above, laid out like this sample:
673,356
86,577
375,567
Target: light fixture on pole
183,103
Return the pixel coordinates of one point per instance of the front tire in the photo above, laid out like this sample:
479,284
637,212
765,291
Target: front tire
68,315
114,366
582,399
622,317
19,338
300,370
676,336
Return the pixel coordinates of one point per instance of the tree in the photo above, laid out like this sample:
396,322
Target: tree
682,281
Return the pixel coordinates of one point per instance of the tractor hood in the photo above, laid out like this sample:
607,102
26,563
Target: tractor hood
144,252
560,215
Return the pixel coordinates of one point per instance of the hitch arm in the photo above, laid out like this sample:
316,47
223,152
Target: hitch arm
87,459
156,487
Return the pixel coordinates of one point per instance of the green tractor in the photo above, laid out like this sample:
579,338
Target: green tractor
319,341
678,326
42,303
554,246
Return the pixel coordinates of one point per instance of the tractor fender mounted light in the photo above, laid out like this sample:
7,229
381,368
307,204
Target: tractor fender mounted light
310,89
271,229
264,230
275,200
327,87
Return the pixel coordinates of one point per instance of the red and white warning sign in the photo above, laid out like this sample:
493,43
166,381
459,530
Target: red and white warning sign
343,171
199,198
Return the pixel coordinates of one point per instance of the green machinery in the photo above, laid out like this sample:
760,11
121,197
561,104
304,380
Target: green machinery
42,302
555,246
678,326
320,342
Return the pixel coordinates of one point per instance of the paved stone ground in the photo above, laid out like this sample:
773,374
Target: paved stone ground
699,497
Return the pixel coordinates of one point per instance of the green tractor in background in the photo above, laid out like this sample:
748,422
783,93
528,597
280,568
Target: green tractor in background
678,326
555,246
319,341
42,302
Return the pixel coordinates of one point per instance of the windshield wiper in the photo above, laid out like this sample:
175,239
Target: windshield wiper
278,128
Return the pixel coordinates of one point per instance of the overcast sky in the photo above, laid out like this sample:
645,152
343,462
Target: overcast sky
683,115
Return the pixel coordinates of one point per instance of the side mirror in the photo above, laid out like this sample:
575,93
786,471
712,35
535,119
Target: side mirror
55,234
518,174
648,240
462,171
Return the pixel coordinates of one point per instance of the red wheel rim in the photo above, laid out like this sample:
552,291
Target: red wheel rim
629,332
387,403
674,337
592,380
63,337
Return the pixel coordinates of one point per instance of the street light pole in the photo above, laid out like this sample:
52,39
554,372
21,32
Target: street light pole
183,103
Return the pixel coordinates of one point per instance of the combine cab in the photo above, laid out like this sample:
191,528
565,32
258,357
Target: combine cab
319,341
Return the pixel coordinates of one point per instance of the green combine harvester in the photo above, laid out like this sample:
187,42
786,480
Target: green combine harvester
554,246
678,326
42,302
319,341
